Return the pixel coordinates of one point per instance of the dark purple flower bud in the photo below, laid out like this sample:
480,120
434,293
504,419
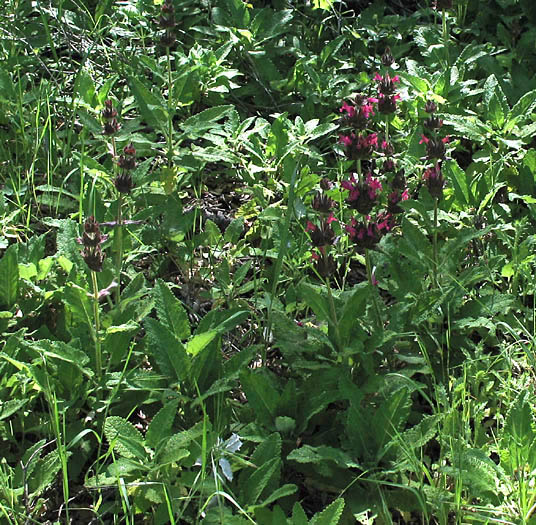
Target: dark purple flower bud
388,148
367,234
443,4
399,181
433,123
326,184
386,84
387,58
388,166
167,16
394,198
360,146
91,240
109,112
123,182
321,236
430,107
435,147
127,161
387,104
322,203
364,194
324,264
111,127
434,181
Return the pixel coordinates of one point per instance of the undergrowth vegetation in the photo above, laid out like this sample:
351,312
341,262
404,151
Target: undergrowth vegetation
267,262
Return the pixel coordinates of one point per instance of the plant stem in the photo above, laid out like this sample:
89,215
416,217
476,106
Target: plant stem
368,265
170,118
434,256
119,247
445,37
333,315
96,316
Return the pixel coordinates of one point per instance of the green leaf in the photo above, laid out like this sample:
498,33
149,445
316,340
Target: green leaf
458,179
353,309
44,472
9,407
281,492
261,394
80,304
170,311
391,416
524,106
168,352
298,515
312,297
196,125
519,425
468,126
260,478
160,427
84,87
330,515
200,341
125,439
172,452
9,277
420,84
182,440
323,4
152,108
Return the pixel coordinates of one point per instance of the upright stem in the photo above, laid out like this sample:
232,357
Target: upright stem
119,247
333,315
435,243
445,36
387,128
372,289
96,316
170,117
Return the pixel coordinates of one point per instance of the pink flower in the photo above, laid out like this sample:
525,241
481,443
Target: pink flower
347,140
424,139
350,110
310,227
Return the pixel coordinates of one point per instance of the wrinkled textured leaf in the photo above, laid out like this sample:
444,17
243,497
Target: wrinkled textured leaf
124,437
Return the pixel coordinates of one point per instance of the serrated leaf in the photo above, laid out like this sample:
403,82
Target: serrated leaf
421,433
125,439
261,394
260,479
168,352
170,311
152,107
78,301
298,515
519,425
313,298
160,426
9,277
9,407
175,448
44,472
197,124
200,341
330,515
281,492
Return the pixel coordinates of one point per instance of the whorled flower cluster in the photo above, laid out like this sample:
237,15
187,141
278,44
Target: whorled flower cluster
91,240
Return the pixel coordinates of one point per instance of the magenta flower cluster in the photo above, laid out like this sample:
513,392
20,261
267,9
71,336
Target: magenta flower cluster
436,149
374,191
